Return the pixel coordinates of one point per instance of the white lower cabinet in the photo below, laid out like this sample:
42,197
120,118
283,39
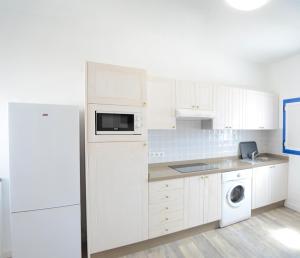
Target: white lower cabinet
202,198
166,205
279,183
212,198
269,185
179,204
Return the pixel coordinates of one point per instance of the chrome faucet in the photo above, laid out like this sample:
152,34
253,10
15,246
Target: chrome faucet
254,155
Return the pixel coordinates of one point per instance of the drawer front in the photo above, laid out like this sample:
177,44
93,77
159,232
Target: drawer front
166,207
166,196
155,187
158,219
165,228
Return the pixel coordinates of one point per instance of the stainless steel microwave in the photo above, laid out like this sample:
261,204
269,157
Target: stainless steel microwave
118,123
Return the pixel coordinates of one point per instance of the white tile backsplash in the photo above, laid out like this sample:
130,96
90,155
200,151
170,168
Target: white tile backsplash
189,142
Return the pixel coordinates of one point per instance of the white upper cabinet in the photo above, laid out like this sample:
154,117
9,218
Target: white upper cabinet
161,103
237,108
185,95
115,85
204,97
234,108
261,111
230,108
194,95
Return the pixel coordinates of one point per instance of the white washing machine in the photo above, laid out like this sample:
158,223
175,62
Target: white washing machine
236,196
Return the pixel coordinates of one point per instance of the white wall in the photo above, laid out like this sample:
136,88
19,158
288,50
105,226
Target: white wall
284,79
44,46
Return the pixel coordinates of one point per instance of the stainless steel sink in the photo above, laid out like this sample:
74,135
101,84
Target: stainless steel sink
258,160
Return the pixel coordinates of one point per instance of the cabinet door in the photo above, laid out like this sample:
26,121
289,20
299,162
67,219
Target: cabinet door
204,97
254,109
193,201
269,112
115,85
260,187
279,182
221,120
237,108
185,95
117,194
212,198
161,104
261,111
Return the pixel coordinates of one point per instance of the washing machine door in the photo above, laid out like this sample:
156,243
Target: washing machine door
236,195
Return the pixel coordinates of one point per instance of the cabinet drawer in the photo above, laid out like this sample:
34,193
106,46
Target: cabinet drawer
159,219
155,187
165,228
166,206
166,196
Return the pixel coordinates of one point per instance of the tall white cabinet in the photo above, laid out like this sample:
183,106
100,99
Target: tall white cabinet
116,165
118,193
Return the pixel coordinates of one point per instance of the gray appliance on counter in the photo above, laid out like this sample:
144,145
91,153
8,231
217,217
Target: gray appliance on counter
247,149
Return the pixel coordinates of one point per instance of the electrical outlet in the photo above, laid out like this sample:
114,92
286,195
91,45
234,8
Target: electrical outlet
156,154
161,154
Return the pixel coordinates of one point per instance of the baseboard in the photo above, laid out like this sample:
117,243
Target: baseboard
141,246
267,208
293,205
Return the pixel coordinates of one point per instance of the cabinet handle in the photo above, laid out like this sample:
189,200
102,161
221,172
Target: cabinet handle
167,218
167,208
167,196
145,144
167,185
145,103
173,126
166,230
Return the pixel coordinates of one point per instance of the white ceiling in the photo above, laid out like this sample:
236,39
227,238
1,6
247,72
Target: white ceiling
265,35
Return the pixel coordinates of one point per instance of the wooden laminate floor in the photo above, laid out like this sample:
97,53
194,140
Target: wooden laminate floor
274,234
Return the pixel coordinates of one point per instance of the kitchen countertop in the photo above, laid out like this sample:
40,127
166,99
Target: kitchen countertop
161,171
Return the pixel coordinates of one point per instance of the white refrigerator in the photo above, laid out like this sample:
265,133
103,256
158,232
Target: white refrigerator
45,181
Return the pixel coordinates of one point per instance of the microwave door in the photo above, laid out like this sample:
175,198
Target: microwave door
126,122
110,123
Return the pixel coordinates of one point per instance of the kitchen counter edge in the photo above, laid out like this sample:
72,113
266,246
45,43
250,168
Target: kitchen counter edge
161,171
